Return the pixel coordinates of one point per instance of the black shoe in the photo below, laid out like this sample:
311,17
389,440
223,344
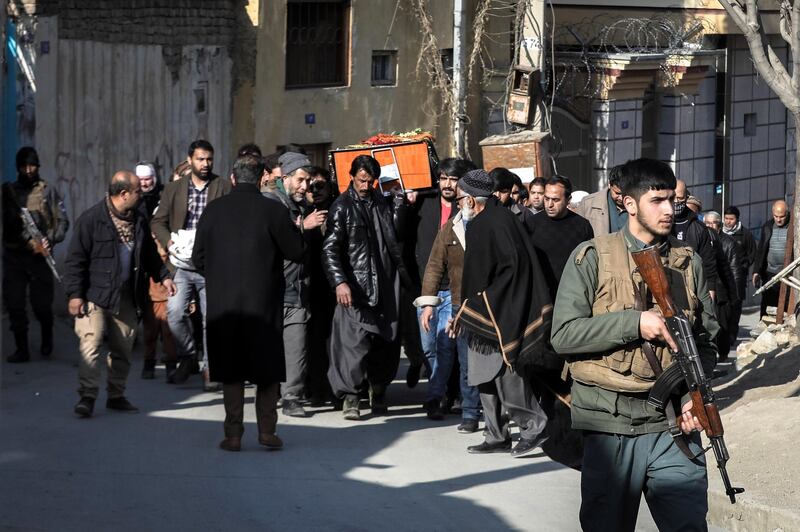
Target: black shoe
169,368
47,341
18,357
181,374
525,447
121,404
377,400
486,448
412,375
292,407
85,407
433,410
468,426
149,369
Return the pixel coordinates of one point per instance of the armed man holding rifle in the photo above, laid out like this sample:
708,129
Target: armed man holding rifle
617,343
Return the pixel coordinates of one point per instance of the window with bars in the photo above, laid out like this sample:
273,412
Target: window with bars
317,43
384,68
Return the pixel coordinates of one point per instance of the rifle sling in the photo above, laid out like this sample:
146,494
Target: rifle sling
649,353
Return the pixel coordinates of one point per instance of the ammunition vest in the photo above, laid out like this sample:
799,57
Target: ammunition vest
627,369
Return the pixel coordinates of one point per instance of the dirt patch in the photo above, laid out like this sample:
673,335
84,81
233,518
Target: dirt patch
762,427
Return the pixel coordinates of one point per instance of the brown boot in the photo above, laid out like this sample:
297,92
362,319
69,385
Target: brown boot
270,441
231,444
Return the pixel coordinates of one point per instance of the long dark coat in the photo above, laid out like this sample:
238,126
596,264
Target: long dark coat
241,242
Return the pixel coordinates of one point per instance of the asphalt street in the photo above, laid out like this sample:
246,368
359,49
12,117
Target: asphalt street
161,469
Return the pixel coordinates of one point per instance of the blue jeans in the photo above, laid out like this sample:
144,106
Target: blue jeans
470,397
438,347
187,284
440,351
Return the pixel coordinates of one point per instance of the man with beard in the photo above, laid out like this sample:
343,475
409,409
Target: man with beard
182,204
600,331
505,313
729,269
431,213
746,248
536,196
110,253
558,232
321,300
771,254
604,209
296,169
364,264
155,322
24,262
691,231
506,184
242,244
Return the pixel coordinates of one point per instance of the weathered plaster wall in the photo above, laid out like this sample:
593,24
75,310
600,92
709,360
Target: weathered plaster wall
346,115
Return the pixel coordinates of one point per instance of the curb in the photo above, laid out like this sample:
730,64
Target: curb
746,516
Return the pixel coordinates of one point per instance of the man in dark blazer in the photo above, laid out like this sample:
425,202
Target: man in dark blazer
240,245
182,204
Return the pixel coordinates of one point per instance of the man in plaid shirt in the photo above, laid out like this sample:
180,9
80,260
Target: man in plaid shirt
182,204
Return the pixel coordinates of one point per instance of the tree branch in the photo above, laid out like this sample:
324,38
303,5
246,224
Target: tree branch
786,21
794,29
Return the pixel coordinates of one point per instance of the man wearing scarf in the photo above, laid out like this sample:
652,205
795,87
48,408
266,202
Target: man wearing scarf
691,231
506,313
746,247
110,252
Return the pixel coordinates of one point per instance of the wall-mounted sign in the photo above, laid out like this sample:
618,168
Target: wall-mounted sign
311,118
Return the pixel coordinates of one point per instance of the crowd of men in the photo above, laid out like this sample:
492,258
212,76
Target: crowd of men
268,276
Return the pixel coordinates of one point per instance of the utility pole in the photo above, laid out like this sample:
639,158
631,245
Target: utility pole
459,85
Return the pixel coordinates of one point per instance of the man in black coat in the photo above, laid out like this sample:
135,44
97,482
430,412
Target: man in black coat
746,248
240,246
729,269
104,279
688,229
364,264
771,253
506,313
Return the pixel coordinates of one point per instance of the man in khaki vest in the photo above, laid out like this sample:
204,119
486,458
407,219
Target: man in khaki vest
601,327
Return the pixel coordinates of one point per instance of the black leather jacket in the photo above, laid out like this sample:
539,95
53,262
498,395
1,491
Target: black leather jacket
729,268
347,252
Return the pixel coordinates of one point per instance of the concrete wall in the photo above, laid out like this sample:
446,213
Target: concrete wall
761,164
103,106
346,115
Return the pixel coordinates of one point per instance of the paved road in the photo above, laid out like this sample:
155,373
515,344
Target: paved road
161,469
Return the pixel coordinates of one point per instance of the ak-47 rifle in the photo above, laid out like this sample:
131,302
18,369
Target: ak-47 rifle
686,366
31,232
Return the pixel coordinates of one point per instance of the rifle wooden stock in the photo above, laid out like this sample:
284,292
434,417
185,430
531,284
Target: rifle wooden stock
648,261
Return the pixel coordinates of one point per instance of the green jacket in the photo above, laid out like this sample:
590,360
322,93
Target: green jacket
577,333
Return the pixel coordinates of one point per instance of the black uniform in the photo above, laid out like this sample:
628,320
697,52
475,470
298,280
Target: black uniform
23,267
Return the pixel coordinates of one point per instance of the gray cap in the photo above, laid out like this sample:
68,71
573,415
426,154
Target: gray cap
477,183
291,161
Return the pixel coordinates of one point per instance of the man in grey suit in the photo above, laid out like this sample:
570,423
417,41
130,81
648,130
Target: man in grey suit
182,203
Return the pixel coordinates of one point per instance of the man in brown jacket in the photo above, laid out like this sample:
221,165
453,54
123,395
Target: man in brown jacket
182,204
437,306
